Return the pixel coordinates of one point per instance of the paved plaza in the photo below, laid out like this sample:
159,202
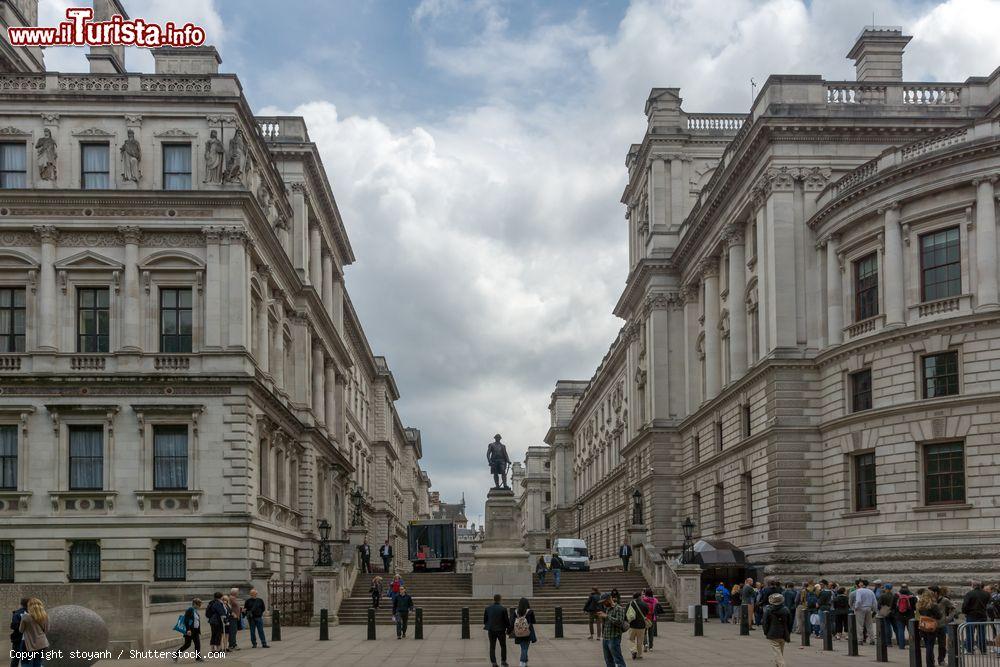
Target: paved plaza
442,645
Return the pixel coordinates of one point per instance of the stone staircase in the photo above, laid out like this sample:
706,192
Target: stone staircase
442,596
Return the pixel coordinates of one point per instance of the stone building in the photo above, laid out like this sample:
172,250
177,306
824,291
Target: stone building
187,390
532,494
810,359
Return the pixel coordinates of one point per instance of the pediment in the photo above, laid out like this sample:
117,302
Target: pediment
175,132
93,132
88,260
14,260
170,259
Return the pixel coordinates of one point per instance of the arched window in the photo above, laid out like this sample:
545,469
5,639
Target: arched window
170,560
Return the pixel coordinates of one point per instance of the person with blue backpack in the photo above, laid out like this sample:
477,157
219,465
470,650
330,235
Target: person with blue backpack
190,624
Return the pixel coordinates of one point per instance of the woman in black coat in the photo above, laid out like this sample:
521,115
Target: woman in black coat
216,614
523,611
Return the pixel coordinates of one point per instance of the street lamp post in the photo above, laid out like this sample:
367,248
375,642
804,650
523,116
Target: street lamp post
579,519
688,528
325,557
637,508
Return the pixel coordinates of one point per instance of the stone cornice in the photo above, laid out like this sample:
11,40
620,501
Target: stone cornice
637,281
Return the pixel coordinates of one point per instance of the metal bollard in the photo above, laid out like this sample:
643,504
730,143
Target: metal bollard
699,622
465,623
744,621
418,625
882,640
916,660
953,644
559,623
805,630
826,623
275,625
324,625
371,624
852,635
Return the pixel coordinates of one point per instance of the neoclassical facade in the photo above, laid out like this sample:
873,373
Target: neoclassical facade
186,390
811,352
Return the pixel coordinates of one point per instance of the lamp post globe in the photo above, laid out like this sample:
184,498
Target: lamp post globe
324,530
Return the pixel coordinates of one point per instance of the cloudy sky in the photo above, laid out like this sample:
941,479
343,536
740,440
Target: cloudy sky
476,149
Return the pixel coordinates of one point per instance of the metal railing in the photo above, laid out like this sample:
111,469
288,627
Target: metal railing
978,645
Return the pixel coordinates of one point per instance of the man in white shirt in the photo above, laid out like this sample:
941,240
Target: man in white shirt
864,607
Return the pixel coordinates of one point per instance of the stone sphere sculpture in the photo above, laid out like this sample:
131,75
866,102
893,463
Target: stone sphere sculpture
75,628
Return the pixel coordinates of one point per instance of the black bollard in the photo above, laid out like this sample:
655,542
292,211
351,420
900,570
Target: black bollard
371,624
852,635
559,623
805,631
275,625
418,630
882,640
699,622
916,660
324,625
744,621
465,623
953,644
826,623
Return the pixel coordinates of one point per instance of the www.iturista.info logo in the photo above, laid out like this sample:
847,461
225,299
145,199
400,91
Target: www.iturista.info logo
80,30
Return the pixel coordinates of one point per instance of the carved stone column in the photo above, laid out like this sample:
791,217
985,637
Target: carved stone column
318,370
278,362
713,341
834,292
328,283
330,398
238,289
48,235
338,302
737,303
892,272
986,245
263,322
131,236
692,372
213,287
315,261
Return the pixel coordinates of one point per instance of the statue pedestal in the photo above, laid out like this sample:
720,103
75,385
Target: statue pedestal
356,535
636,535
326,592
501,565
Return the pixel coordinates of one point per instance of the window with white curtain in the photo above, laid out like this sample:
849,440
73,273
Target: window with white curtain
13,165
170,456
8,457
95,170
86,457
176,166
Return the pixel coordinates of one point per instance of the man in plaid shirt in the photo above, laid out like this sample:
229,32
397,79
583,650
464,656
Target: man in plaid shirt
615,624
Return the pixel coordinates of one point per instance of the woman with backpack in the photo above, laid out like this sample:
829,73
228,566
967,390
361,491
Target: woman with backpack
192,631
904,610
522,625
592,606
636,614
927,625
812,609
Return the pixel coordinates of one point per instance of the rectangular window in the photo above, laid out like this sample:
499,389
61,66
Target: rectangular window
864,482
12,319
6,562
941,264
861,390
95,167
745,412
696,448
746,481
13,165
170,560
755,334
940,374
944,473
176,166
175,319
170,457
720,509
696,510
8,457
718,435
86,457
93,319
866,287
85,561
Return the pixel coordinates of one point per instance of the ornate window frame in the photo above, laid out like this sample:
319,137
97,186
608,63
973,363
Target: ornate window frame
17,499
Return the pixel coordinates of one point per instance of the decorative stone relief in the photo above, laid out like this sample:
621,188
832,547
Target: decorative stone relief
215,154
131,154
236,161
45,148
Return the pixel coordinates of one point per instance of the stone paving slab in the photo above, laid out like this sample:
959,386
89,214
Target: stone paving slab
675,645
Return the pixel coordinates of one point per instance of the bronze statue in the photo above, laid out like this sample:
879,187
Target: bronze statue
496,456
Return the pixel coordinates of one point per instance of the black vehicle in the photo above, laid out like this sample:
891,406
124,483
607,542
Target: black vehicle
433,545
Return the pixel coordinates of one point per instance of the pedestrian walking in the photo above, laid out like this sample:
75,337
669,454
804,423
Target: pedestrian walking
759,602
15,631
723,602
34,626
592,606
556,565
864,610
401,606
927,625
886,603
522,627
949,612
736,596
217,614
235,618
540,570
365,551
192,631
254,610
385,551
747,595
625,553
791,601
651,603
496,623
612,615
776,622
974,606
906,605
841,609
376,591
636,617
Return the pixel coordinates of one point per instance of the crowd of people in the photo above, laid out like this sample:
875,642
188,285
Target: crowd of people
401,601
778,608
225,615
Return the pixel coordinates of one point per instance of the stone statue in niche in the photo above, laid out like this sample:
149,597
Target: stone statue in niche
214,158
131,156
46,150
266,202
236,164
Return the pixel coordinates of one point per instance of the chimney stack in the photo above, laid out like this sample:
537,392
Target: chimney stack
187,60
107,59
878,53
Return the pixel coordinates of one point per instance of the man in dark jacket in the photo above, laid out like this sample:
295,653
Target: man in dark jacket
974,607
556,565
366,557
777,626
496,623
15,626
636,614
886,603
216,613
791,602
254,608
385,551
401,606
625,553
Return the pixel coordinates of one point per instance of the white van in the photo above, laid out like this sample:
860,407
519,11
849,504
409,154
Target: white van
574,554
